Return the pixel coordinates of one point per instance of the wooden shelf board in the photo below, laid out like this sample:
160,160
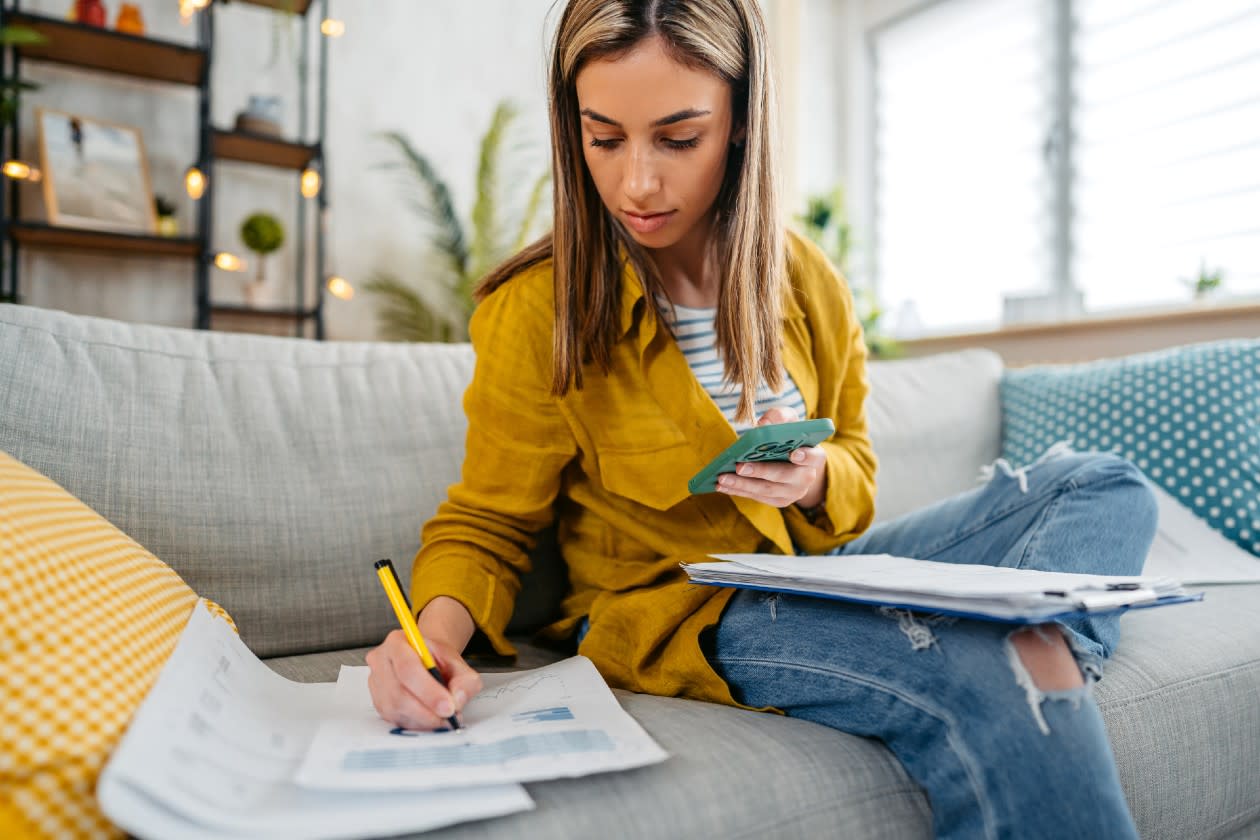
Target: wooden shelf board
90,47
49,237
287,312
258,148
296,6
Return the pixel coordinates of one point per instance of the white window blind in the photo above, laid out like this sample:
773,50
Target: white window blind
1167,148
962,195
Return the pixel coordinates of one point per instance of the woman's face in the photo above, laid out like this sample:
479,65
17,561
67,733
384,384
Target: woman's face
655,134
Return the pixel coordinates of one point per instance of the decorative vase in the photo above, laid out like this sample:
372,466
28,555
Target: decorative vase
263,115
90,13
253,285
129,19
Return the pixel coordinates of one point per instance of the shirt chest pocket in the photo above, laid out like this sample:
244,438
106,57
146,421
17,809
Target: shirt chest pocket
656,478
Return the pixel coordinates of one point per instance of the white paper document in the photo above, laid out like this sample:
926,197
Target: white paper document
1193,551
552,722
214,748
992,592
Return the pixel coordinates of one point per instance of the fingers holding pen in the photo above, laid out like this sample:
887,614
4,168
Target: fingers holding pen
405,693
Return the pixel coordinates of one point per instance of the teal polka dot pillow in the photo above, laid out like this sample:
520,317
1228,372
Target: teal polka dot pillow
1188,417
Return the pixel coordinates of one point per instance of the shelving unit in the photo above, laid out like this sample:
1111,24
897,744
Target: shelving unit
155,60
40,235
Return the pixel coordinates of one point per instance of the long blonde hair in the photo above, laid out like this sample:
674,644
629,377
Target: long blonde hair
727,38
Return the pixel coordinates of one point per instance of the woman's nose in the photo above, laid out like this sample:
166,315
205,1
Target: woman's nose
642,180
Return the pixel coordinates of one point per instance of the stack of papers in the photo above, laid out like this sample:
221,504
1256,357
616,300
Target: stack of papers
555,722
224,747
994,593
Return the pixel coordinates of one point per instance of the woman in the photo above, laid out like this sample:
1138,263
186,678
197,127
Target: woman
616,356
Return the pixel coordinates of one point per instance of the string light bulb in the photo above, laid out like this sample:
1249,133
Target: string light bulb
229,262
20,171
195,183
332,27
188,8
310,182
339,287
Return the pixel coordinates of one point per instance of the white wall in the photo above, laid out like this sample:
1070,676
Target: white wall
433,71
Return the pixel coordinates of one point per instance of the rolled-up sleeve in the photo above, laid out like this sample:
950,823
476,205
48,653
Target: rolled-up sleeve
476,546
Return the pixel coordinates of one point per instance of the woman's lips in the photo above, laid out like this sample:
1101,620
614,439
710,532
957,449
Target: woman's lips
647,223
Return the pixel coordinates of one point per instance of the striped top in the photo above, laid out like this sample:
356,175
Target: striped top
697,338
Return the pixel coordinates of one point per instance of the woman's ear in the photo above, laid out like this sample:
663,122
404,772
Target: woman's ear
738,136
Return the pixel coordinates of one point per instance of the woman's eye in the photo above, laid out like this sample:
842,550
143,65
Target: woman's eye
604,144
682,144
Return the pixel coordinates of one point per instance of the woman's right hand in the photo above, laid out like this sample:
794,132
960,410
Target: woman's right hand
403,691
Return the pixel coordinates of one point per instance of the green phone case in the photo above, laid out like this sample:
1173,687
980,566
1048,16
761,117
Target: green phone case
773,442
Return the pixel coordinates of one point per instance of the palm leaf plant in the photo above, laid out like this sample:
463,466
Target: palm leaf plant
826,224
500,223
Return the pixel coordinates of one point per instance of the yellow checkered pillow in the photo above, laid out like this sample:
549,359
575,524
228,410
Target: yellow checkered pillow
87,619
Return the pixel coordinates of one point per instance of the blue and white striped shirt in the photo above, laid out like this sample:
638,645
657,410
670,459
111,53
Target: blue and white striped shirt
696,336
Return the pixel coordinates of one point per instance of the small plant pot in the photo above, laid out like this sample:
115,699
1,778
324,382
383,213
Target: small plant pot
252,286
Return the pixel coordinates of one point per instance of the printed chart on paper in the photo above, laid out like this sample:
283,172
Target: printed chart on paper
561,720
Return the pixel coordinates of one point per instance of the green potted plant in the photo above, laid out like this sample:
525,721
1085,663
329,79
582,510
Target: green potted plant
825,223
263,234
1205,283
167,224
501,223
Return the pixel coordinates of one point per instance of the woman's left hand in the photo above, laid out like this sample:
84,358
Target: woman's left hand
802,480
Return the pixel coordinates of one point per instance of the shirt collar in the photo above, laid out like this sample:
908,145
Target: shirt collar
632,293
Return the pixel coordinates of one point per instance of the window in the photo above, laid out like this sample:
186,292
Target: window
1037,158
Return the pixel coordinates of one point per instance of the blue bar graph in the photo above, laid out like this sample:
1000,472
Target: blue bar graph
544,715
473,755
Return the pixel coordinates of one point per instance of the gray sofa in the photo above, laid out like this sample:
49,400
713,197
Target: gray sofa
271,473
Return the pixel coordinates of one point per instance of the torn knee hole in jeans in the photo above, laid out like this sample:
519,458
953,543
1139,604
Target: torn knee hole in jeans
915,626
1062,447
1034,694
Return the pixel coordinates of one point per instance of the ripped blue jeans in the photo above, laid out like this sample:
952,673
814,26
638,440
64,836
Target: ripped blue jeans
997,756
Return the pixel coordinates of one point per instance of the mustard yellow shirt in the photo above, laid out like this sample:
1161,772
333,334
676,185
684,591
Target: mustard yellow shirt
610,464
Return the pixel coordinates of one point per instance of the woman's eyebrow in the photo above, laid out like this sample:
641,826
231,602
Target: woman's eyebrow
679,116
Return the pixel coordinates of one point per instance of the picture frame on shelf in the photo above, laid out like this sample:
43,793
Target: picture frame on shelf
96,173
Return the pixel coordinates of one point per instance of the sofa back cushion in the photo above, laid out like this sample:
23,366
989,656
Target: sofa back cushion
934,421
271,473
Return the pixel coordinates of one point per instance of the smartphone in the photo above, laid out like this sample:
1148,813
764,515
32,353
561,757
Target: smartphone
772,442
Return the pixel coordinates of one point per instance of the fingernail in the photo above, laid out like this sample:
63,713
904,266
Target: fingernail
744,470
460,698
445,709
798,456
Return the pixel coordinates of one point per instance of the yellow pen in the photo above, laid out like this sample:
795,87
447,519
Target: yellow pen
393,590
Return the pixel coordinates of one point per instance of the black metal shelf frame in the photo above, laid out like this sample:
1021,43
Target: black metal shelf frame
96,51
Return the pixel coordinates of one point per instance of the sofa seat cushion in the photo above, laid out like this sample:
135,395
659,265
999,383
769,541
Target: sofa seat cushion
1181,695
1178,696
731,773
